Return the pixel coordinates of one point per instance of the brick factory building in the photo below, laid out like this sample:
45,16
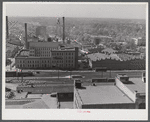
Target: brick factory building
41,55
65,59
42,49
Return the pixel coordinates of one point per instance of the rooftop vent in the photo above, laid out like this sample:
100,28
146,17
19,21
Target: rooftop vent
78,83
123,78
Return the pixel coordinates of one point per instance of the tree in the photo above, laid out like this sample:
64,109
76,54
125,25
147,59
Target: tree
97,40
8,62
131,45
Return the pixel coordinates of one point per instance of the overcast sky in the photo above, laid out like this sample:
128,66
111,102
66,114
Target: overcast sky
98,10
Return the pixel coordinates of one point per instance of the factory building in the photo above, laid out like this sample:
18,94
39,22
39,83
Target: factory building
33,63
66,58
46,55
106,94
42,49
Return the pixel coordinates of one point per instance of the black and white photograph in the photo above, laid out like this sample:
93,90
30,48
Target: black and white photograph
75,60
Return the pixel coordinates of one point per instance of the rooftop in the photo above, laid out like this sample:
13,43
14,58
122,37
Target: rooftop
68,105
109,50
136,85
12,86
38,104
102,94
44,44
101,56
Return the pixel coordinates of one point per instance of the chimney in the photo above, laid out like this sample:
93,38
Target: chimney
63,29
7,30
26,45
76,57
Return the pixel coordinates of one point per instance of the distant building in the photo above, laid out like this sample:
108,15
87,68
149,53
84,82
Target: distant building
139,41
117,61
110,95
109,51
41,32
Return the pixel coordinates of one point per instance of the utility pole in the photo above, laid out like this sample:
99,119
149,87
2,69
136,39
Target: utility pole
63,29
7,30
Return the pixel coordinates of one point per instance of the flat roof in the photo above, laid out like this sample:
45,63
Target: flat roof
65,105
38,104
136,85
103,94
34,96
44,44
11,86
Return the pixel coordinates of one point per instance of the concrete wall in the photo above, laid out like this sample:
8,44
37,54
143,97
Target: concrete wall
110,106
64,97
77,100
123,88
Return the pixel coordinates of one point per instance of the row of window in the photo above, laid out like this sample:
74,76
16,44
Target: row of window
34,65
60,53
46,48
43,61
44,65
47,61
62,65
61,61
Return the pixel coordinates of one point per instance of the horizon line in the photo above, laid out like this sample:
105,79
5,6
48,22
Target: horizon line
84,17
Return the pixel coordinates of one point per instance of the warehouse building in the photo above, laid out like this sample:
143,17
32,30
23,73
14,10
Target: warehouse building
110,95
116,61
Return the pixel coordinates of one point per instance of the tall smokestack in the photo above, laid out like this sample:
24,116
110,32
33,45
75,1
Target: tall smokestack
63,29
7,31
26,45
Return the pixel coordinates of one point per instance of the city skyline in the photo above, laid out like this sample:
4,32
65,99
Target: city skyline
90,10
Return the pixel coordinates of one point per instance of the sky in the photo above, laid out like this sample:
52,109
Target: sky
88,10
